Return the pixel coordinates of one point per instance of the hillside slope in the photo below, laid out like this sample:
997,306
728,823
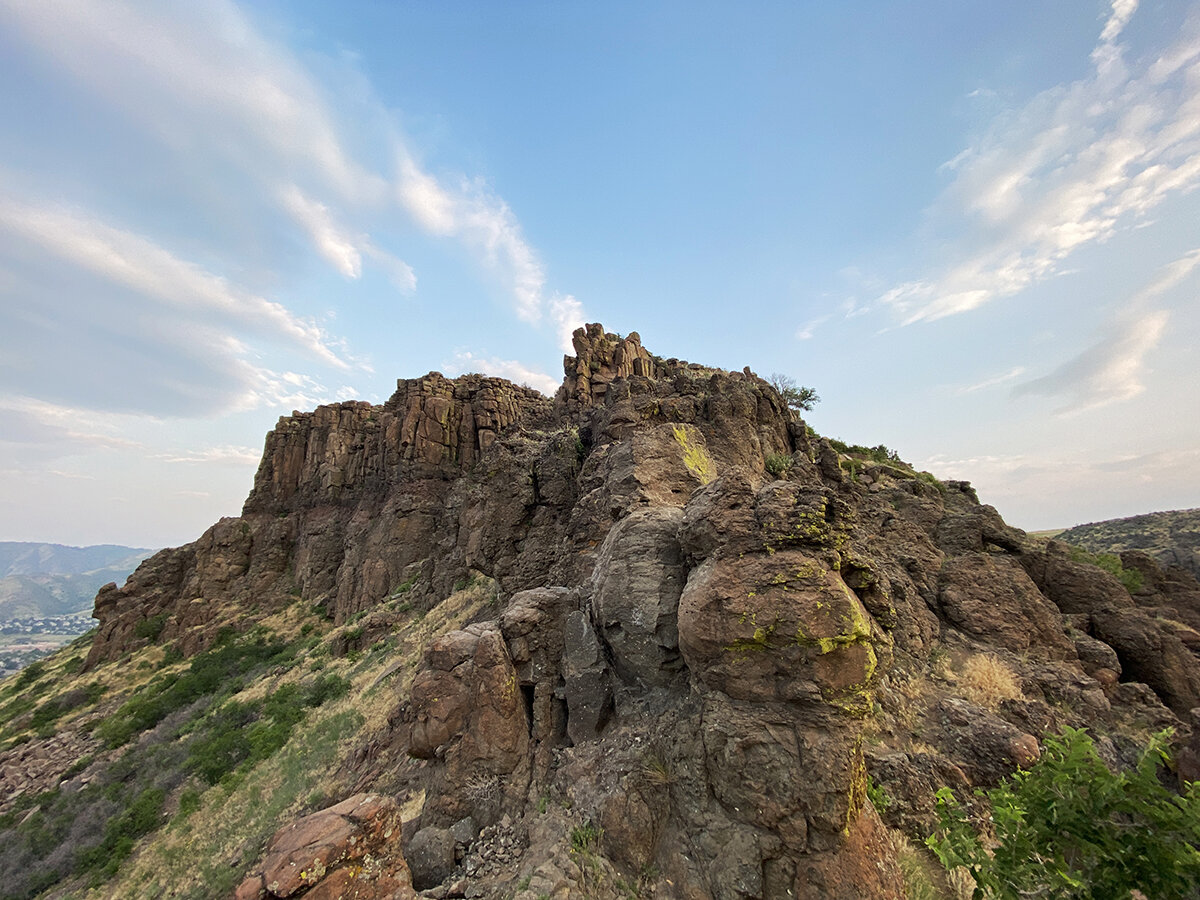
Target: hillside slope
653,638
1172,538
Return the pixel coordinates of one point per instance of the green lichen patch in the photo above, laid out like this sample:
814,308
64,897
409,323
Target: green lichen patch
695,457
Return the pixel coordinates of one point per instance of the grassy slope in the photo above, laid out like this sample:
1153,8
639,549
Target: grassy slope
201,846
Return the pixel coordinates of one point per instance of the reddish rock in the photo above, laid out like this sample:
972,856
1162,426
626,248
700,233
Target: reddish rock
991,598
349,850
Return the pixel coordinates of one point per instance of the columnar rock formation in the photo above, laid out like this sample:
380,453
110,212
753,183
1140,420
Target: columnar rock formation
688,646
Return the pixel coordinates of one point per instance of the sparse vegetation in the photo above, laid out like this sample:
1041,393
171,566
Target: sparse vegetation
778,464
880,453
220,671
188,724
1131,579
585,837
151,628
988,681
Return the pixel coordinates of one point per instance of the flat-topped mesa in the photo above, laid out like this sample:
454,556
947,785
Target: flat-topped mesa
431,426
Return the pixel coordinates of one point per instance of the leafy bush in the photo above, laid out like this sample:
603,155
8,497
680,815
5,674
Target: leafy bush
29,675
189,802
246,733
1070,828
585,837
141,817
880,453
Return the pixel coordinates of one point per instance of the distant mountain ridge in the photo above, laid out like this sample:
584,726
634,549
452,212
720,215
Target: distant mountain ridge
1171,537
32,558
38,579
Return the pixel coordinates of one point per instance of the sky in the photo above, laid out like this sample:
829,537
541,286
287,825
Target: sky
972,228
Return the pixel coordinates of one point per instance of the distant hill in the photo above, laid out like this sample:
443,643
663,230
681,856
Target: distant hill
52,579
1173,538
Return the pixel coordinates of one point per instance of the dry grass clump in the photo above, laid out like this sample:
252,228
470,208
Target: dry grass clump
988,681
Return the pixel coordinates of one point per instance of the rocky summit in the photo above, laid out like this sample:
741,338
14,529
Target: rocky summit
651,638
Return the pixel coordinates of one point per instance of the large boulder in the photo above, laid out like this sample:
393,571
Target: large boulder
782,626
350,850
467,713
638,578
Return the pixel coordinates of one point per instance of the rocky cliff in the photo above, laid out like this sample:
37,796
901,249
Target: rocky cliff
708,632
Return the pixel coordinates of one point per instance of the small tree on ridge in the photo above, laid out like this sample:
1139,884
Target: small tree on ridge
794,395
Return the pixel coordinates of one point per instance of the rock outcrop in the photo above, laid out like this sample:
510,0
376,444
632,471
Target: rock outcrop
698,658
350,851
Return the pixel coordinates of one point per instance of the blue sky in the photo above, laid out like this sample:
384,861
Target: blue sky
974,228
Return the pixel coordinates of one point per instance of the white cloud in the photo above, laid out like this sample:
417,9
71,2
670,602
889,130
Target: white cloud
806,331
399,272
1075,164
484,223
567,315
134,262
1109,371
59,430
1031,490
1016,372
204,85
331,241
198,74
465,361
224,455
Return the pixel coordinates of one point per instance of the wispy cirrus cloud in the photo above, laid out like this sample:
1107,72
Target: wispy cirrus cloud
470,212
994,381
252,154
201,75
1109,371
1068,169
53,431
221,455
131,261
1112,369
1029,487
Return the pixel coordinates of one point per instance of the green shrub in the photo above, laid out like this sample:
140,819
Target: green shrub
324,688
1110,563
879,454
878,796
778,463
585,838
150,629
404,587
1070,828
218,671
141,817
189,802
239,733
29,675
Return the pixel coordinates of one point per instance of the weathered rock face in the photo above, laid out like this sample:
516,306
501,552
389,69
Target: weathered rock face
687,652
351,850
